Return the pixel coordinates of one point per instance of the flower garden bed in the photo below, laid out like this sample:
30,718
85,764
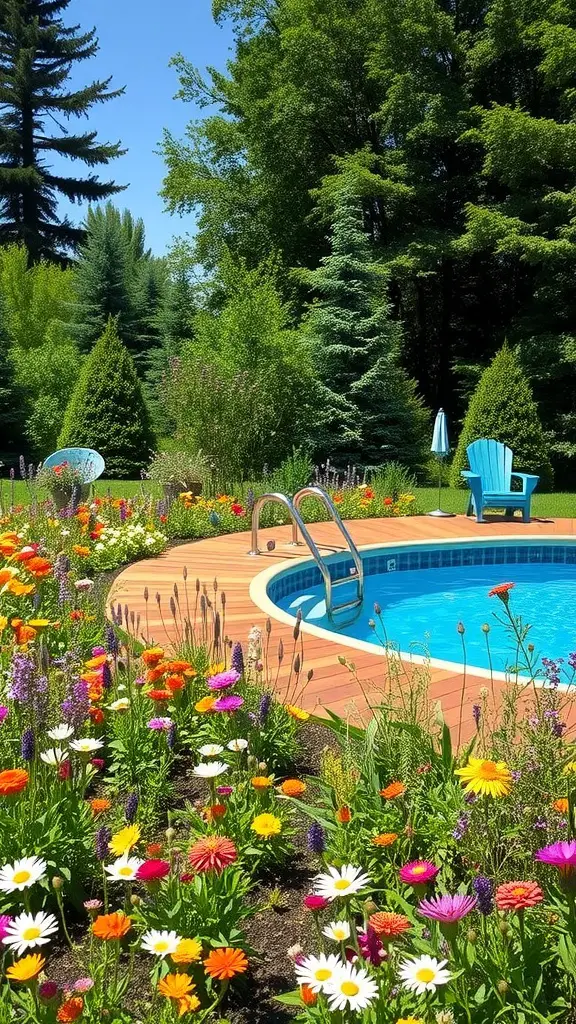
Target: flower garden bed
178,839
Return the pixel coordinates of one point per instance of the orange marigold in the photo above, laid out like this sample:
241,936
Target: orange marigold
384,839
561,805
224,963
26,968
502,590
205,704
293,787
81,550
12,781
298,713
152,656
343,814
388,925
308,996
261,781
112,926
159,694
174,683
99,805
177,666
70,1010
175,986
39,566
19,589
393,790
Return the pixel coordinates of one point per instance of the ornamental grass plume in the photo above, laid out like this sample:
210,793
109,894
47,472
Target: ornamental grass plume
213,853
518,896
485,777
224,963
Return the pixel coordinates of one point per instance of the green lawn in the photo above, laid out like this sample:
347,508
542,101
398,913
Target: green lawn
543,505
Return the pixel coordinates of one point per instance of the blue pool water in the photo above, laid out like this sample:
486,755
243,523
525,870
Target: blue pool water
421,607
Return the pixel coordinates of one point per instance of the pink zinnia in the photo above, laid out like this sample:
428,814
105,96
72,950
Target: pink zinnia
152,870
5,920
3,714
562,855
312,902
83,985
98,763
231,702
446,908
213,853
224,680
418,872
224,790
159,724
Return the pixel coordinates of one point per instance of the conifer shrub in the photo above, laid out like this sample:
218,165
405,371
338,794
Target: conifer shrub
107,410
503,408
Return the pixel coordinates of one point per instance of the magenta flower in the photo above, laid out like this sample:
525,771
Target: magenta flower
97,651
313,902
371,948
224,680
159,724
561,855
418,872
231,702
48,990
446,908
5,920
224,790
3,714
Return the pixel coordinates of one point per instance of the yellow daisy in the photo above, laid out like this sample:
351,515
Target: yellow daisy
124,840
486,778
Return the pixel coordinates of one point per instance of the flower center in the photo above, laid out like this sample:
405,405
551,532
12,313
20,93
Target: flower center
29,934
340,934
488,771
125,871
419,870
322,974
342,883
161,946
349,988
212,843
425,975
519,891
20,877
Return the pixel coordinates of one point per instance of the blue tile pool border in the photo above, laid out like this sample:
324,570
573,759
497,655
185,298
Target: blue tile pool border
381,561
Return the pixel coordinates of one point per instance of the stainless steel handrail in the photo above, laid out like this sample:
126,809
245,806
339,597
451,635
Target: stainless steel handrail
324,497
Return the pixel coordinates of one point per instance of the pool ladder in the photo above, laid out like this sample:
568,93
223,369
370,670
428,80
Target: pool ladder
298,525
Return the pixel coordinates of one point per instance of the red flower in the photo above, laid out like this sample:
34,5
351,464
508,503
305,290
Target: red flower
502,590
214,853
163,519
76,615
368,493
237,510
312,902
64,771
70,1010
518,895
152,870
97,715
388,501
159,694
98,763
343,814
39,566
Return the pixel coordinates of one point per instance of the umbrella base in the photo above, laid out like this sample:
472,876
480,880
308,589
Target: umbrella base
439,514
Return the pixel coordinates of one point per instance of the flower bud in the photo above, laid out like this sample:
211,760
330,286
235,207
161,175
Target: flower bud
135,900
170,833
370,908
502,987
472,936
485,627
57,882
504,928
461,628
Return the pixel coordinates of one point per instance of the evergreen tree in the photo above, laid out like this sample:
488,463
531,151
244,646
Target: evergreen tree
174,326
107,410
12,397
356,348
37,53
503,408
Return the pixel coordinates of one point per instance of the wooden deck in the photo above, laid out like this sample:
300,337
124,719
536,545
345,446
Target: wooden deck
226,559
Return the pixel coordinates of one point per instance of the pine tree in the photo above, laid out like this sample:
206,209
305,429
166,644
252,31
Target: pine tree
372,411
107,410
174,325
12,397
37,52
503,408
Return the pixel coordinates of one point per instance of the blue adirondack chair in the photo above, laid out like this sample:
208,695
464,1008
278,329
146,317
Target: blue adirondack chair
490,480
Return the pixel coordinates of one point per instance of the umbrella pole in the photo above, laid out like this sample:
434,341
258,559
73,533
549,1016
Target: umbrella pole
438,513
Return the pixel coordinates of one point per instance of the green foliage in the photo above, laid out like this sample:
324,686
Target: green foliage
503,408
391,480
11,394
37,55
36,298
48,375
107,409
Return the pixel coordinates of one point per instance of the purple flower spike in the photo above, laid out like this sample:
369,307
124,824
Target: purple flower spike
447,909
224,680
484,891
237,659
231,702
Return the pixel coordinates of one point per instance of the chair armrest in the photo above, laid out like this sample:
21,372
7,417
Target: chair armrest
529,481
468,475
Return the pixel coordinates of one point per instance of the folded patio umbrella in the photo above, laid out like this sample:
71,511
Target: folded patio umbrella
441,448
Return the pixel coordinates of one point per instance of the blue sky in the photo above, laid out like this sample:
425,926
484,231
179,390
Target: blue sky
137,40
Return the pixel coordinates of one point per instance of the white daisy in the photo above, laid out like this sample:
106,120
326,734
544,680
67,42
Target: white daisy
317,971
340,882
122,704
423,974
351,987
61,732
86,745
54,756
21,873
123,869
210,750
237,746
209,770
339,931
160,943
29,930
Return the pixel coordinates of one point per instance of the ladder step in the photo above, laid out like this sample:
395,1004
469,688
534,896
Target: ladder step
343,580
345,605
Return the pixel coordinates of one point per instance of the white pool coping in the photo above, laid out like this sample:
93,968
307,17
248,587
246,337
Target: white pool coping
259,595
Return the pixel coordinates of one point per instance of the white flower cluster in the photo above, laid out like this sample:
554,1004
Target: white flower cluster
119,544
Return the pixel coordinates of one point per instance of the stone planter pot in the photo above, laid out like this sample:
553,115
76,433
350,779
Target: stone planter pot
61,496
172,490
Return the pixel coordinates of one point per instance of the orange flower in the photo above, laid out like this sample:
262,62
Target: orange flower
212,853
308,996
12,781
153,849
175,986
261,781
177,666
8,547
153,675
111,926
205,704
187,951
561,805
152,656
187,1004
19,589
518,895
24,634
76,615
96,715
214,812
99,805
388,925
384,839
71,1009
27,968
5,575
174,683
343,815
91,677
293,787
159,694
81,550
224,963
393,790
96,662
39,566
502,590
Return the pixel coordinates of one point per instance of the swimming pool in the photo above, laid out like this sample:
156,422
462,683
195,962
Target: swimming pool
426,590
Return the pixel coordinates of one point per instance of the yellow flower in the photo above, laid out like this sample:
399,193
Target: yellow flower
487,778
3,622
216,667
570,767
266,826
124,840
262,781
187,951
298,713
410,1020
